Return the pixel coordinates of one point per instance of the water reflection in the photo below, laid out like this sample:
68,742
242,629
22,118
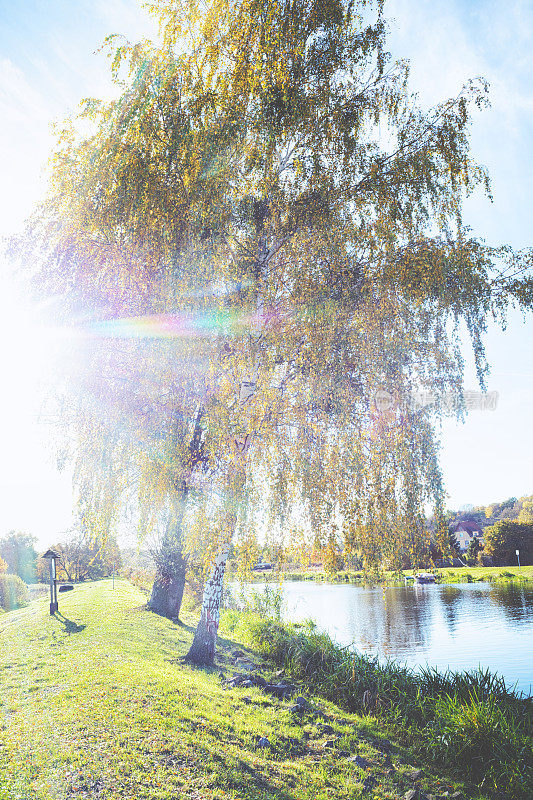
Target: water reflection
450,597
514,602
460,626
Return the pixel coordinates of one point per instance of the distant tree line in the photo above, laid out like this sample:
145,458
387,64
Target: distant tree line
83,557
18,552
17,568
513,510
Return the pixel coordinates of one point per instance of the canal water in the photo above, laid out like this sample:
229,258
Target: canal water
460,626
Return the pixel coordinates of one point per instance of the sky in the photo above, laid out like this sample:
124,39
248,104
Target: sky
49,60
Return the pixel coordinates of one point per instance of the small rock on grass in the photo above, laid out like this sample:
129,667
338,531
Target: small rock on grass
243,663
262,742
361,762
384,745
330,744
416,794
327,728
237,679
279,690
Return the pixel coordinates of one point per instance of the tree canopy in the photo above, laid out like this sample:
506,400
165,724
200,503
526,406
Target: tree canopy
17,550
503,539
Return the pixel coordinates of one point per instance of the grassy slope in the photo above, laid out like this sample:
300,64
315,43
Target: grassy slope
99,704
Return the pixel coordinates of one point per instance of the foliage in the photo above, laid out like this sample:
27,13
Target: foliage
3,566
266,602
503,539
18,551
83,557
332,555
482,734
512,509
526,510
474,549
141,578
13,592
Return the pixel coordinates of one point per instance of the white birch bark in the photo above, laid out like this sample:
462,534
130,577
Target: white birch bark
202,651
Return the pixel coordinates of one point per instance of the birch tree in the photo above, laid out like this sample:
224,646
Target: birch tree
267,197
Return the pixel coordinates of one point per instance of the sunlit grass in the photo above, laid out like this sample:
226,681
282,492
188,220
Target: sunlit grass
97,703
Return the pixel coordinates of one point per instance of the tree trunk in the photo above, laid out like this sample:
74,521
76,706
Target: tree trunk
171,566
167,593
202,650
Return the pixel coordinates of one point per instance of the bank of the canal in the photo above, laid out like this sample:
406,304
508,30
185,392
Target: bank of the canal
388,578
97,702
458,626
466,724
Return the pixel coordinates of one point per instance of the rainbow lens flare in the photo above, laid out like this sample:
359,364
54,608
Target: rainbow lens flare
178,325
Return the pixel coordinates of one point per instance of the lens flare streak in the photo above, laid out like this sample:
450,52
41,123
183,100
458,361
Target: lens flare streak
170,326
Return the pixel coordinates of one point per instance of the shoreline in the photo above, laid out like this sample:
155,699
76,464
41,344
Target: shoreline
451,575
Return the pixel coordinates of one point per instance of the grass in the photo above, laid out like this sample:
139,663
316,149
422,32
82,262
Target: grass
97,702
470,723
445,575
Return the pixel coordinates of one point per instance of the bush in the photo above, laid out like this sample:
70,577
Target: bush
486,738
13,592
141,578
266,602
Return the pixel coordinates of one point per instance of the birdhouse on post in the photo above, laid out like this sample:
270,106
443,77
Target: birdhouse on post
52,557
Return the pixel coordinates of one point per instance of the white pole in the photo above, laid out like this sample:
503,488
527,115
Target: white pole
518,557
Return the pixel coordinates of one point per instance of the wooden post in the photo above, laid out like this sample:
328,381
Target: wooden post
52,557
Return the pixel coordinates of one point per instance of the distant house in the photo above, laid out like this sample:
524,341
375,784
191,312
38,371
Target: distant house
464,531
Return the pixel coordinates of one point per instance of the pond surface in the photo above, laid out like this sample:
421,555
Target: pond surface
461,626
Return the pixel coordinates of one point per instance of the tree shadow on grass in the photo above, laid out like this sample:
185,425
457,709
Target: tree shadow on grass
234,775
183,625
69,625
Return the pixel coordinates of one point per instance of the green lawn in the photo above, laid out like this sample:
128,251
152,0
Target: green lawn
460,574
445,575
97,703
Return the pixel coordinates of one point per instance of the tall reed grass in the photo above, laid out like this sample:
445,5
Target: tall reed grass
470,722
